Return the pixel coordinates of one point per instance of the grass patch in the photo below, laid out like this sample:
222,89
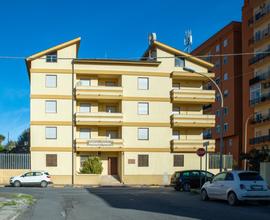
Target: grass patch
30,200
8,203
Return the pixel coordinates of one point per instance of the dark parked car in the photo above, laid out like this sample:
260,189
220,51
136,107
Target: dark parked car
187,179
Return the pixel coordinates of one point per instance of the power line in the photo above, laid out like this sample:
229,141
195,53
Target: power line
162,57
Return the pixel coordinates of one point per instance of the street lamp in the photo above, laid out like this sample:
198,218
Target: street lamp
221,115
246,125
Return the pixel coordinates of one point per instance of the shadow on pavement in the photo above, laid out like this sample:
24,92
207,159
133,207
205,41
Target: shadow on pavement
169,202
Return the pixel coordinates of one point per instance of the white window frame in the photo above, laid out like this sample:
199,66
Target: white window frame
83,132
85,106
48,83
85,80
51,133
141,85
225,43
143,108
141,136
226,76
48,104
176,135
226,127
217,48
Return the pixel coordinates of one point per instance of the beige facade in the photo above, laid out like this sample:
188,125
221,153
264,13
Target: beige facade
122,111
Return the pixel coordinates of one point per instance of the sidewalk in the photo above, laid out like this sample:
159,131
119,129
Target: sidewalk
13,204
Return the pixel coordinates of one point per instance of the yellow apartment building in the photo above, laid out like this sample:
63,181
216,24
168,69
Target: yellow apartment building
143,118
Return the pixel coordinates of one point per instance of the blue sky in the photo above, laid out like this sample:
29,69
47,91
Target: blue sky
112,29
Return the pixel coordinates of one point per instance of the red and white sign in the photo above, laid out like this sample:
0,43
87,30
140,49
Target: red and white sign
201,152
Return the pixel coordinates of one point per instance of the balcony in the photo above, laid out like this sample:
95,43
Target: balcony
260,118
207,136
184,75
261,37
259,140
186,120
99,118
193,96
259,57
99,92
99,144
259,78
191,145
262,98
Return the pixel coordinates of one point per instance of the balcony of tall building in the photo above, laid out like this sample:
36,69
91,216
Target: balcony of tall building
99,88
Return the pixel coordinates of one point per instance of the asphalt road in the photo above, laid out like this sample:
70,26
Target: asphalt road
130,203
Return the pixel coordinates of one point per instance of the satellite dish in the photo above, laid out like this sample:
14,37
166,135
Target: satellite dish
152,37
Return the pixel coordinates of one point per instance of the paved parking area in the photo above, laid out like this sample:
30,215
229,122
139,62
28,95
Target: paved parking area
130,203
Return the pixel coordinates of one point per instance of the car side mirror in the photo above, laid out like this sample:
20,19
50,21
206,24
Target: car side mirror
22,175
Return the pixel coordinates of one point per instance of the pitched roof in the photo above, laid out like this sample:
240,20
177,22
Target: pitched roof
177,52
55,48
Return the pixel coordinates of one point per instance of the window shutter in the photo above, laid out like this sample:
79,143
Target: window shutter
143,160
178,160
51,160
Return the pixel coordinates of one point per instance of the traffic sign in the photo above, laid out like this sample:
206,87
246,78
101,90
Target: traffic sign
201,152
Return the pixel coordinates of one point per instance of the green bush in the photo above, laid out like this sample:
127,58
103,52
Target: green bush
92,165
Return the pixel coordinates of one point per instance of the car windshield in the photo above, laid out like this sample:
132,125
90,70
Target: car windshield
249,176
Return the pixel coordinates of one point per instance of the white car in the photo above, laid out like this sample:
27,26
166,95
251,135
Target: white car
33,178
237,186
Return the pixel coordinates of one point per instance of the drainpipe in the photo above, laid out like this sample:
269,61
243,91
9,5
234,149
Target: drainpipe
72,127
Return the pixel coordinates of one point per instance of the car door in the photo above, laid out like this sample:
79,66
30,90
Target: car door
37,178
27,178
195,179
214,188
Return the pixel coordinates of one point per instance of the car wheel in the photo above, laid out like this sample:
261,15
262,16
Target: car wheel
232,199
204,195
17,183
186,187
43,184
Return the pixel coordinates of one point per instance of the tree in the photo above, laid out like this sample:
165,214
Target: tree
22,145
92,165
10,145
255,157
2,138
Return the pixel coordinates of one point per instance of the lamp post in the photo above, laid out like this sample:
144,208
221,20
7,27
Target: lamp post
246,127
221,118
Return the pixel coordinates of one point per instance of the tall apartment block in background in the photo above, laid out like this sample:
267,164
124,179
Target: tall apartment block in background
228,71
143,118
256,71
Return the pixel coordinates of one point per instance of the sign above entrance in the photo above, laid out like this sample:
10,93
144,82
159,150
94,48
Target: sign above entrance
100,143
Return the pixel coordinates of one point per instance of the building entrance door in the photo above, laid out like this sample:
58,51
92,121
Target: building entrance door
112,166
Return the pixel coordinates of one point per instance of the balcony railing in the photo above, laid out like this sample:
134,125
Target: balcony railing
198,96
261,77
191,145
260,118
99,118
99,92
193,120
259,15
260,56
259,140
261,98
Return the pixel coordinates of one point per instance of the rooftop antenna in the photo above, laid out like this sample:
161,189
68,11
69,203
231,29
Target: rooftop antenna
188,41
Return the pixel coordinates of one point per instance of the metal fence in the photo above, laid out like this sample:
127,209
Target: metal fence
14,161
215,158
